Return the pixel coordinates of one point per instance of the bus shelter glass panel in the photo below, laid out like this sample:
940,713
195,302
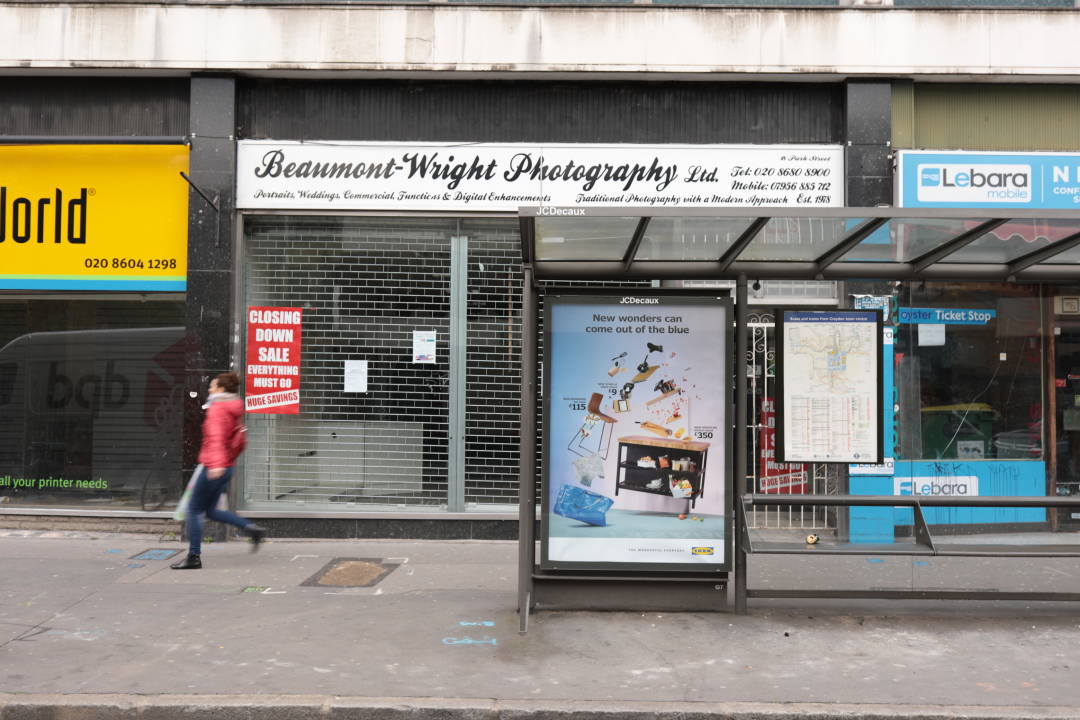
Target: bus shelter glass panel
583,238
972,416
919,236
794,239
1068,257
1014,239
969,364
687,238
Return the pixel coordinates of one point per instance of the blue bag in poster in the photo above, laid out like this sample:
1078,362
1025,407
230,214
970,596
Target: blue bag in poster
580,504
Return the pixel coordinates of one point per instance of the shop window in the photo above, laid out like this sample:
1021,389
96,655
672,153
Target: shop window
365,285
969,373
7,382
91,394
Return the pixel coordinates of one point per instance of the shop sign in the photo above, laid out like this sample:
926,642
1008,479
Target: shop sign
774,477
273,360
830,380
504,177
945,316
989,180
636,458
958,478
93,217
935,486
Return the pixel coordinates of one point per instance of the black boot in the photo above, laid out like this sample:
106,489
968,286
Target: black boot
191,562
257,535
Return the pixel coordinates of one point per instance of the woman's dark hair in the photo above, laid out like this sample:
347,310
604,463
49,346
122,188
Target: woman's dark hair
229,382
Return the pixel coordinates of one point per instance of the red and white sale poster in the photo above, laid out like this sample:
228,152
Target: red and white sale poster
777,478
273,360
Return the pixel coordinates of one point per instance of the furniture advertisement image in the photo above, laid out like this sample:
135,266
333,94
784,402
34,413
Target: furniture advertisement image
636,426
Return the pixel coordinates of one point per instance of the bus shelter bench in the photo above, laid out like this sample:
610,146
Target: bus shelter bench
922,541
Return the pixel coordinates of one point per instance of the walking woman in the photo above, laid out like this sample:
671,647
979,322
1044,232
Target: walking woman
222,441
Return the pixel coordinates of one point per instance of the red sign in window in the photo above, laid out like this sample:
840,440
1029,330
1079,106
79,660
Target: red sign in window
273,360
774,477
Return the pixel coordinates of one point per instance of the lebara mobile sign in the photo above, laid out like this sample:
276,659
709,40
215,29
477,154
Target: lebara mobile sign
93,217
988,180
273,360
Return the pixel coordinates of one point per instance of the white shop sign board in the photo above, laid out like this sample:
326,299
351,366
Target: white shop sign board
504,177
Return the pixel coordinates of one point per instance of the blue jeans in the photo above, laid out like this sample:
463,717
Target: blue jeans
204,500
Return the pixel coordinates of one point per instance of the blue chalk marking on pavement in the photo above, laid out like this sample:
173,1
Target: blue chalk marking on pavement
154,554
469,641
136,565
112,552
874,560
481,623
922,562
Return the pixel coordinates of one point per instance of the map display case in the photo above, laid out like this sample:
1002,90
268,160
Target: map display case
829,374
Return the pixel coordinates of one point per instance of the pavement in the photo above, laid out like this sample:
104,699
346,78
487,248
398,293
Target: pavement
93,626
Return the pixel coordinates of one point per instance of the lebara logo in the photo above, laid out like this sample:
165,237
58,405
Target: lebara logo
974,183
959,486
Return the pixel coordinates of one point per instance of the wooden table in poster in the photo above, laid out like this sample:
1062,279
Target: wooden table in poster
683,454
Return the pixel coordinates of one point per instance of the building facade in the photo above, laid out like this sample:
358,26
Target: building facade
384,444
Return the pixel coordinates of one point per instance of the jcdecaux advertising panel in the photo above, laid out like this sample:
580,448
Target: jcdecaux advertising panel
636,411
93,217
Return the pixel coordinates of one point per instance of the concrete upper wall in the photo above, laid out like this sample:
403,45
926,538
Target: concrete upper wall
717,43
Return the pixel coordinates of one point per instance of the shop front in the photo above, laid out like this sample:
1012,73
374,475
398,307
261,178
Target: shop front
982,370
394,387
93,271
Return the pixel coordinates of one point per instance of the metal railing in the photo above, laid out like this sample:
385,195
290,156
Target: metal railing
922,542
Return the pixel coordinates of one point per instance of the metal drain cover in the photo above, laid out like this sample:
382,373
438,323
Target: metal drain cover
351,572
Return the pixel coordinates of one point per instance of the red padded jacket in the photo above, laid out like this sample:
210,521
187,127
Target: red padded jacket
223,413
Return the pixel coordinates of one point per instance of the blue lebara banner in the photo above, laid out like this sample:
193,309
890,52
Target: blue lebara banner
988,180
636,434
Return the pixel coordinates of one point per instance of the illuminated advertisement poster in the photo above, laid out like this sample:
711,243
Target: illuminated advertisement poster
829,373
636,416
273,360
93,217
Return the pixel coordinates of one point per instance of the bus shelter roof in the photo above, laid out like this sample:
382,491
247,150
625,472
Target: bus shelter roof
1032,246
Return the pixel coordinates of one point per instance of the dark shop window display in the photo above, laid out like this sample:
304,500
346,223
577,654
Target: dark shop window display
91,401
969,387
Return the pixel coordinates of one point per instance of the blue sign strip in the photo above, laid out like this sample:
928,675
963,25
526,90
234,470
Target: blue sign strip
91,284
945,316
989,180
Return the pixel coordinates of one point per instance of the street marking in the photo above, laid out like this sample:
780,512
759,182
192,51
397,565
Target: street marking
469,641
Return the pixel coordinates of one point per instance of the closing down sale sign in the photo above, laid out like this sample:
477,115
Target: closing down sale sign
273,360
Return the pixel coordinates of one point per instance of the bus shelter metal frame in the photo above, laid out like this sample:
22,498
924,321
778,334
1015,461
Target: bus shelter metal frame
596,590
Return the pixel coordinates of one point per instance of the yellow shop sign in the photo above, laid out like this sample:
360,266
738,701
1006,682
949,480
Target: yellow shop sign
93,217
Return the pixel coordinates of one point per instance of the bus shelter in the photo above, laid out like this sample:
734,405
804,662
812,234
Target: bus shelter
595,447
